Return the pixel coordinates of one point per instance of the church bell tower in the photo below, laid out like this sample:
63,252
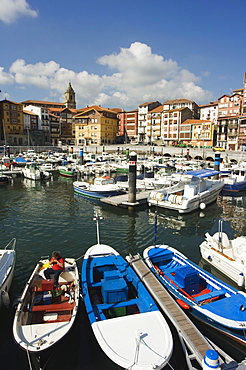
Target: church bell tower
70,97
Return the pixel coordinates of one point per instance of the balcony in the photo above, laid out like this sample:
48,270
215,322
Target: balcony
232,125
141,130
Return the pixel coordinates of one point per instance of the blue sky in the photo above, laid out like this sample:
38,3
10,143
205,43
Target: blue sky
121,54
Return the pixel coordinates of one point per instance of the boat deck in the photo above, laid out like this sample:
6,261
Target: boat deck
194,340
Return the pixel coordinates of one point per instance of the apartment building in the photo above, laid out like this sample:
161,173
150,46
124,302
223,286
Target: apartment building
182,103
66,126
197,132
96,125
171,122
143,110
209,112
43,120
128,125
154,120
55,129
242,119
45,104
11,123
33,136
229,112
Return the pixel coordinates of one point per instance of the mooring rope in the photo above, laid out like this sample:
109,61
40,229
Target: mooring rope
80,257
139,341
29,360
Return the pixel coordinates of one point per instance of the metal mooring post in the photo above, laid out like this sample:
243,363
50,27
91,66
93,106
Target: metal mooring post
132,178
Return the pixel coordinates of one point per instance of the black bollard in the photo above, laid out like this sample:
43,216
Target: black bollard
132,178
217,163
81,156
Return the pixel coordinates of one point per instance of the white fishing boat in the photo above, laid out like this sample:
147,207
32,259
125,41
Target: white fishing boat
7,264
186,196
227,256
125,319
48,167
44,314
32,171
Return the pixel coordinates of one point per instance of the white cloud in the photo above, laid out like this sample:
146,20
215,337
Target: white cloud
137,76
11,10
6,78
37,75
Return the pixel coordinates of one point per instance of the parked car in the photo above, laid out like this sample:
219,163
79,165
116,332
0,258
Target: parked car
218,149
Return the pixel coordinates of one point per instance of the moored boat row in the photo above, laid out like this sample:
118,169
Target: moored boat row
125,319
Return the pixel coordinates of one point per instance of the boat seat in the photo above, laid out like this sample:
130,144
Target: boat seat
105,306
211,295
53,307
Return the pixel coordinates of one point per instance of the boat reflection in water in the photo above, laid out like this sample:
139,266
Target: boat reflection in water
49,214
234,211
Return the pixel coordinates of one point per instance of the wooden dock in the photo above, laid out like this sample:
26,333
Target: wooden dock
191,336
122,200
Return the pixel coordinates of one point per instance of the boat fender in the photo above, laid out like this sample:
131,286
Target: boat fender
207,256
240,280
5,298
183,304
202,205
211,360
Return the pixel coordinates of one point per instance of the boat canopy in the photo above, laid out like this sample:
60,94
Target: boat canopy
202,173
20,160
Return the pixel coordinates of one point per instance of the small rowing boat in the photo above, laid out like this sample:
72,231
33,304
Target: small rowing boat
125,319
45,314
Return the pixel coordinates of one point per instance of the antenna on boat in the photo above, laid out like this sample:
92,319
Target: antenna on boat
220,234
155,228
97,218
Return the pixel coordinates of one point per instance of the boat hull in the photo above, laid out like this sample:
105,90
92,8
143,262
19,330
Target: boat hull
4,180
236,187
7,265
44,315
96,194
103,187
220,306
187,206
69,174
196,191
129,327
226,260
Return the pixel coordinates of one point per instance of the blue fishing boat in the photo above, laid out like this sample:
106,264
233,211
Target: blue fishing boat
103,186
125,319
207,298
234,180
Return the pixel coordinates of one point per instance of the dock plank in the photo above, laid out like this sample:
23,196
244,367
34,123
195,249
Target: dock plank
191,335
122,200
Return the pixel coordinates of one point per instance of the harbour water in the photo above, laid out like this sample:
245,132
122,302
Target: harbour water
47,216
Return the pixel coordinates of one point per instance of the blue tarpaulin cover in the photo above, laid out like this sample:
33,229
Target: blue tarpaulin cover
19,160
202,173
